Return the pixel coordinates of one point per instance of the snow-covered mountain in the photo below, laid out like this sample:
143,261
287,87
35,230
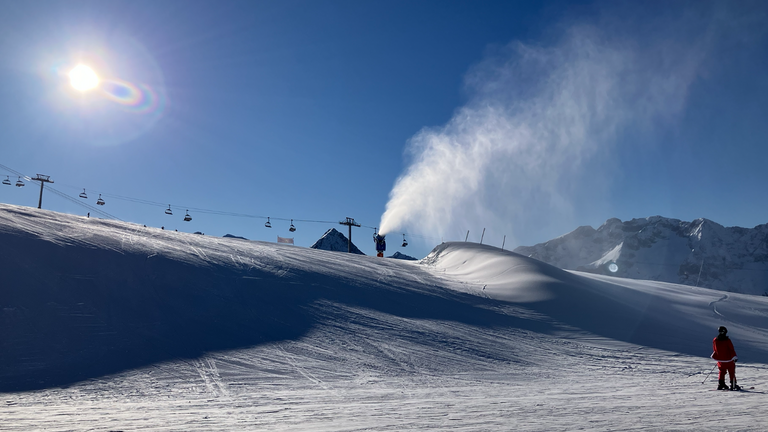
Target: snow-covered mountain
108,325
701,252
402,256
234,236
335,241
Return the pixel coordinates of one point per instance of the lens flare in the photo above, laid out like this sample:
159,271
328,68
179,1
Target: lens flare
83,78
139,98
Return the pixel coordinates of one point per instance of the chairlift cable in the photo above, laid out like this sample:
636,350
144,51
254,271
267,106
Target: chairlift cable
15,172
61,194
160,204
82,204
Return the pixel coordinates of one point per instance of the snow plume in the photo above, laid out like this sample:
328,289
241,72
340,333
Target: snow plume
534,138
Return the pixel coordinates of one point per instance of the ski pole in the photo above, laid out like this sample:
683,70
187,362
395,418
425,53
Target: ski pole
710,373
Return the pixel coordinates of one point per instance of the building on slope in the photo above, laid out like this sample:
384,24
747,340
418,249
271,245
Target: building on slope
335,241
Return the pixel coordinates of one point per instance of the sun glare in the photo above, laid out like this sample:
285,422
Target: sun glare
83,78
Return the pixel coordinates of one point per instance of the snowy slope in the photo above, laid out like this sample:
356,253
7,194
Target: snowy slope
701,252
113,326
652,314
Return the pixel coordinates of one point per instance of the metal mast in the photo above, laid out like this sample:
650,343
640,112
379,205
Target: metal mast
350,222
43,179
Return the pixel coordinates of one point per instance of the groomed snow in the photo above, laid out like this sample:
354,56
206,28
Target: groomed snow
114,326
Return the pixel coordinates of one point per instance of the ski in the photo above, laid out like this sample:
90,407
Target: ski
729,390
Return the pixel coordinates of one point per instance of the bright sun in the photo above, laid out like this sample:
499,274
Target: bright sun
83,78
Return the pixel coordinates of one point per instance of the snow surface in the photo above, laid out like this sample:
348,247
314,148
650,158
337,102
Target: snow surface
112,326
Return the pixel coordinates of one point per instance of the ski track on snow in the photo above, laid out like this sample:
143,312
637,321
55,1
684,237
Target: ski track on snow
589,388
713,304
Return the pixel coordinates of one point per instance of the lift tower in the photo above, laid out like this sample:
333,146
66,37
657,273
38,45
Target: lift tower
350,222
43,179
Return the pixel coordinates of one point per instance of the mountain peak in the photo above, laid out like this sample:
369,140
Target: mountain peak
402,256
335,241
234,237
665,249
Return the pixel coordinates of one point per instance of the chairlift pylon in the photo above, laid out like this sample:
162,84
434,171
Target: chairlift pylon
7,181
19,183
292,228
187,217
405,242
83,195
268,224
100,201
168,210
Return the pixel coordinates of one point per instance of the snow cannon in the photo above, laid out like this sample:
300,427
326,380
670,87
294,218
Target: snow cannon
381,244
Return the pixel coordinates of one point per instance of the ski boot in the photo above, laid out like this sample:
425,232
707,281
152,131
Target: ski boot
735,386
721,384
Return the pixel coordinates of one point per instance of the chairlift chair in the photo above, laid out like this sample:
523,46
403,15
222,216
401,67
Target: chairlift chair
292,228
19,183
100,201
83,195
168,210
187,217
405,242
7,181
268,224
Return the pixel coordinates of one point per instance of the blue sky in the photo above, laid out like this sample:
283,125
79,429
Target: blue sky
313,110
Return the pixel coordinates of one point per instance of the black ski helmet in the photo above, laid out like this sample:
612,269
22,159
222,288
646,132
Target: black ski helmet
722,330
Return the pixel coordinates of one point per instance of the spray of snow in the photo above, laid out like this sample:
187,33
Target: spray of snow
535,136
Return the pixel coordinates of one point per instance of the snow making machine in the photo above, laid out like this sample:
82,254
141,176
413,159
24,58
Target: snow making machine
381,244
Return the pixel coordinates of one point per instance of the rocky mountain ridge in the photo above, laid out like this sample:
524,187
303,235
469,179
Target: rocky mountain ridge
698,253
402,256
335,241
